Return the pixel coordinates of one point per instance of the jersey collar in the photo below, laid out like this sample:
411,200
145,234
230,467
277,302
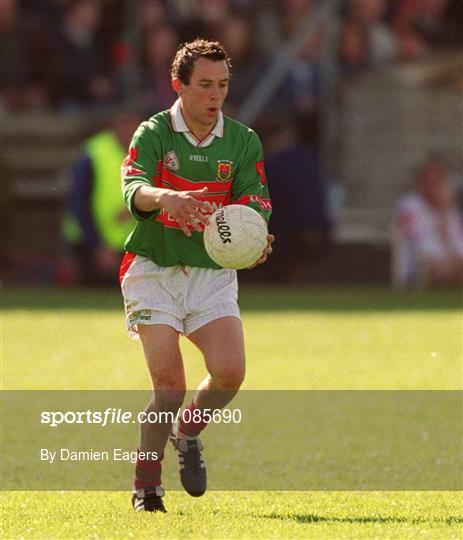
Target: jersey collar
179,125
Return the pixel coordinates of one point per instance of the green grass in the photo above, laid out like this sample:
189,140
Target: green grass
238,515
296,339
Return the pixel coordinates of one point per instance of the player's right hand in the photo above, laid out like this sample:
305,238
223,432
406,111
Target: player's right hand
267,251
187,209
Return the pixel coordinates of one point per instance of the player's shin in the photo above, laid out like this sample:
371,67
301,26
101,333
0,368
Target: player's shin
155,425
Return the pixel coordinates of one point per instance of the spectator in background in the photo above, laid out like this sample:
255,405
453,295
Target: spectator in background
300,214
293,12
85,79
151,14
267,22
299,91
421,24
431,228
370,15
97,221
304,76
236,33
26,70
366,41
203,17
158,48
353,49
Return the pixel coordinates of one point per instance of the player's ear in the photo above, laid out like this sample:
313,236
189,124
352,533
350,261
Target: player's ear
177,86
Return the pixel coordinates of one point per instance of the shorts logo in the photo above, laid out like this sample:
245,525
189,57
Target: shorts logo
141,315
224,170
171,161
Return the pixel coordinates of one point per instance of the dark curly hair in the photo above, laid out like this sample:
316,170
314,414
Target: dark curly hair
188,53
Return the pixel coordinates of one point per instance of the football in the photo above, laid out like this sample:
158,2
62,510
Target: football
236,236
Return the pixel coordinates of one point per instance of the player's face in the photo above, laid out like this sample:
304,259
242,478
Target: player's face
203,98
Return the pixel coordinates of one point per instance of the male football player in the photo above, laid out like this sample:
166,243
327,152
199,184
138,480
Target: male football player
183,163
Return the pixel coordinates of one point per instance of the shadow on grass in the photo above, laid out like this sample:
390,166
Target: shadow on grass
252,299
314,518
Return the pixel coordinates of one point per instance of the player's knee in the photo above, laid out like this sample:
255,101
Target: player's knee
228,377
168,399
166,378
170,389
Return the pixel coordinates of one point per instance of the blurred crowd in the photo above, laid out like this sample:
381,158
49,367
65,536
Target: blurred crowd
68,55
98,56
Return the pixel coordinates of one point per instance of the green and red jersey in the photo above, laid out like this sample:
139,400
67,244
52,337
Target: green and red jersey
165,154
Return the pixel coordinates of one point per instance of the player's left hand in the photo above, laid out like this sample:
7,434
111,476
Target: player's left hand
266,253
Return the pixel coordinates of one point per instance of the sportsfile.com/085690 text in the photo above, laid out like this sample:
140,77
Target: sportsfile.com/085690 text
112,415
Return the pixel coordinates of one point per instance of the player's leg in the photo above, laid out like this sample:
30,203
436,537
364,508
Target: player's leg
165,365
161,348
221,342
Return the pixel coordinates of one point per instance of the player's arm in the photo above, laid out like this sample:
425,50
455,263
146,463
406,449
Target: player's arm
182,205
250,186
144,200
249,182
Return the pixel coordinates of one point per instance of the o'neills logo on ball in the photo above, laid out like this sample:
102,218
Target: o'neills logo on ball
222,227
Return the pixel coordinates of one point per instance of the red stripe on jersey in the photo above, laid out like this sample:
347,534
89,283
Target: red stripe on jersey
133,153
245,199
131,171
217,200
168,221
182,184
126,263
127,169
131,157
265,204
261,172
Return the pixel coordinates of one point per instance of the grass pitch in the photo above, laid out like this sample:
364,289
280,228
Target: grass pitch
296,339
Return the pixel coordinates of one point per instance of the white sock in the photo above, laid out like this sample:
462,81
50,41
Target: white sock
181,435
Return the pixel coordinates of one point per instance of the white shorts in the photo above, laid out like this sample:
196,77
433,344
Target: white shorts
185,298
